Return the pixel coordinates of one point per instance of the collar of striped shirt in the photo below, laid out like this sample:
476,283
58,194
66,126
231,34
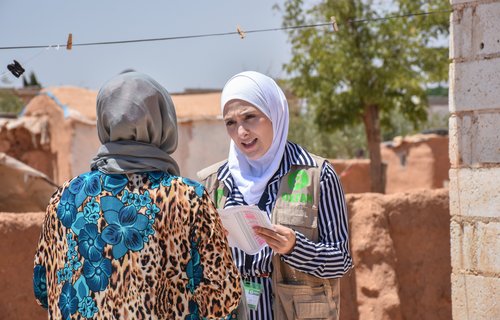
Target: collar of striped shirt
294,155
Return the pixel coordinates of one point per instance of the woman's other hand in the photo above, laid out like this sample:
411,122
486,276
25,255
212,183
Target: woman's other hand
281,239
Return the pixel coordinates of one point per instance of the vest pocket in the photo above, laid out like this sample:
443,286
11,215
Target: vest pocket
306,302
302,218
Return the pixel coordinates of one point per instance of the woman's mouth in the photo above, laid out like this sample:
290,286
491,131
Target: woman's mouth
250,144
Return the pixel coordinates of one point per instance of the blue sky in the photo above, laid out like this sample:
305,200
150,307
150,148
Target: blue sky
177,64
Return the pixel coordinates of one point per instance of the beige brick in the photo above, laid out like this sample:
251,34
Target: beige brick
486,141
475,85
487,247
487,28
475,192
475,31
475,246
461,33
474,138
460,137
453,141
456,246
475,297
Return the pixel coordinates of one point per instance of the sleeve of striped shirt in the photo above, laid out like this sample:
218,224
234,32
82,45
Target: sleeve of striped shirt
330,257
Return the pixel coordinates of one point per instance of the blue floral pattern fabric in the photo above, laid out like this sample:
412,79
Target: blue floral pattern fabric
40,285
104,220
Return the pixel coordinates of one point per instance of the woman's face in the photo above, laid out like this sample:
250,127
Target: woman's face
249,128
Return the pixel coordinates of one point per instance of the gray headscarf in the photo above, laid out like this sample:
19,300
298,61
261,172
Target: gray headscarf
137,126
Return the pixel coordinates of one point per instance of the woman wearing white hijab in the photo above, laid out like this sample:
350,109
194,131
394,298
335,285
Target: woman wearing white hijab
131,239
300,192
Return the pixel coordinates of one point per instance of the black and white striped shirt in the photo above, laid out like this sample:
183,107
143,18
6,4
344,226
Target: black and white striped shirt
329,258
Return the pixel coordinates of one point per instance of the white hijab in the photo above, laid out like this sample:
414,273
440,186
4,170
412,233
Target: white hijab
252,176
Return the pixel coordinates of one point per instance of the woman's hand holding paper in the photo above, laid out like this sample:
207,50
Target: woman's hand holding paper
281,239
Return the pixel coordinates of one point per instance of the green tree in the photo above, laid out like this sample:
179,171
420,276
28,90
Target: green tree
369,70
9,102
306,132
33,81
25,82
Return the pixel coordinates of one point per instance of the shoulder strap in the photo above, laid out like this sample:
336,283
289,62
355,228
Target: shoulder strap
208,177
204,173
316,177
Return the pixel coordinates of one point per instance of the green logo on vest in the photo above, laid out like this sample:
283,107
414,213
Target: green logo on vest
297,197
298,180
218,197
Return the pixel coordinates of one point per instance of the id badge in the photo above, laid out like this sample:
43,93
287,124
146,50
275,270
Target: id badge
252,293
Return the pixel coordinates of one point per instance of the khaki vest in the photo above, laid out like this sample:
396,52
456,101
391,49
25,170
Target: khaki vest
297,295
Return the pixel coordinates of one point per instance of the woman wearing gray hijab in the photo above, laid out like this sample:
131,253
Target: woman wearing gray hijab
131,239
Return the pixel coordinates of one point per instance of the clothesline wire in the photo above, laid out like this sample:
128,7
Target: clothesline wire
239,32
353,21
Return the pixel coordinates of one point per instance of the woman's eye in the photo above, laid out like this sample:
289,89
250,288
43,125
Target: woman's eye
229,123
249,116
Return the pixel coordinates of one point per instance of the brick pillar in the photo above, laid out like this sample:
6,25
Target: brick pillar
475,159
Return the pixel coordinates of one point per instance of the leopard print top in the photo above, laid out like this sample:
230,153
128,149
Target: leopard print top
136,246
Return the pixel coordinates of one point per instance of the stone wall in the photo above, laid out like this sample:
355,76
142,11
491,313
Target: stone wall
354,174
475,159
412,162
27,140
418,161
399,242
400,245
63,146
19,233
202,143
24,189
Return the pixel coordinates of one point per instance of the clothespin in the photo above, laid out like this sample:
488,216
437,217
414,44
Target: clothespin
69,43
240,32
334,24
16,69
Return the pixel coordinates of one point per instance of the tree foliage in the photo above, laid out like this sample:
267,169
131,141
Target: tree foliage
346,143
10,103
33,81
371,69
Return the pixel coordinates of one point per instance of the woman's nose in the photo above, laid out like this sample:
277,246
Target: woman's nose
242,131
